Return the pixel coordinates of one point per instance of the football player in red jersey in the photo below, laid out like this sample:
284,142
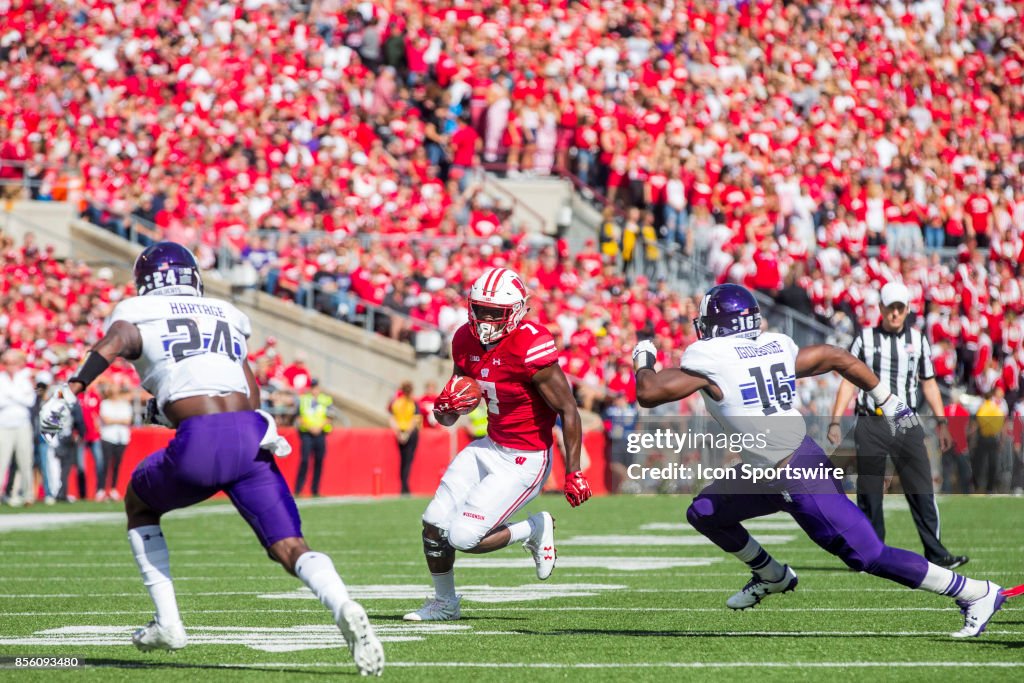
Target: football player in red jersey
516,366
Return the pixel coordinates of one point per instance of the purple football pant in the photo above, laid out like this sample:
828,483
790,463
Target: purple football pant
221,452
819,506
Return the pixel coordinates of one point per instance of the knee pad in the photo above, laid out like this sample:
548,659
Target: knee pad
698,512
437,549
465,537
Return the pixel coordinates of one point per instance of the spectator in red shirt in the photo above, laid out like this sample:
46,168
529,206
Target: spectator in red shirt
956,457
465,142
426,404
298,375
980,218
90,402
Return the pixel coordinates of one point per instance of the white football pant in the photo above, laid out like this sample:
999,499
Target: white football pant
483,486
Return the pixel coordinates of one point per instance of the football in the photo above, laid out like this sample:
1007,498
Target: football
467,386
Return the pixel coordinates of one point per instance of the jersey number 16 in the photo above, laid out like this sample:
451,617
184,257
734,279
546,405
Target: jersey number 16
778,394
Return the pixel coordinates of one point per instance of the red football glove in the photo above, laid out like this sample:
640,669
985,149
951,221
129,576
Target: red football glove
577,488
450,401
1013,592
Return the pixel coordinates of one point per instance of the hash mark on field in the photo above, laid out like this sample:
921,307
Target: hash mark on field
484,593
750,525
649,540
265,638
623,564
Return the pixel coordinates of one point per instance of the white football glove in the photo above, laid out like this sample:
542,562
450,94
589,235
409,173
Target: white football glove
55,413
901,417
645,355
272,441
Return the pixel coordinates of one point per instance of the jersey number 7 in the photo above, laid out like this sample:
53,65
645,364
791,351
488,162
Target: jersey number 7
490,392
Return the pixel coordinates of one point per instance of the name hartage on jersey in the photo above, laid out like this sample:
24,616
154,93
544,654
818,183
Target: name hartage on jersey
517,415
191,346
758,381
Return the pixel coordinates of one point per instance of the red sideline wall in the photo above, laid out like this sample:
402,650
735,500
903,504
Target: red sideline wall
362,462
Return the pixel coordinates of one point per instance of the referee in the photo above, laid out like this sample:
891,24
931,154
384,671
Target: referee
901,356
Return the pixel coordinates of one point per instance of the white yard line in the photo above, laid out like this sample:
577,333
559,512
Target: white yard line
18,596
638,665
474,610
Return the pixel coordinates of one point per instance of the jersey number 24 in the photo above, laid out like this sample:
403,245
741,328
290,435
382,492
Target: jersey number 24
195,342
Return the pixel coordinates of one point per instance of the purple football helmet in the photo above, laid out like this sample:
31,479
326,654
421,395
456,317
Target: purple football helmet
167,268
728,310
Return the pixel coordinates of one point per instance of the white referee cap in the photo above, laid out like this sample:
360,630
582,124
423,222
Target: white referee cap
895,293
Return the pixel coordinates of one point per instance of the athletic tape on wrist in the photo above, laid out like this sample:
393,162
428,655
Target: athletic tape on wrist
92,367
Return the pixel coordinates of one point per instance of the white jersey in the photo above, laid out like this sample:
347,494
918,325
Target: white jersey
191,346
757,378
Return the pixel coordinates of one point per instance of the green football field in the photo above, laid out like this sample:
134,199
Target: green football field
636,595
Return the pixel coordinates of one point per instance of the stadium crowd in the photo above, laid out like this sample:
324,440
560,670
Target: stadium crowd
780,142
809,151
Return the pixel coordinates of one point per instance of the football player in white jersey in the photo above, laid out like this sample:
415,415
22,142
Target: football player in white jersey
191,354
747,379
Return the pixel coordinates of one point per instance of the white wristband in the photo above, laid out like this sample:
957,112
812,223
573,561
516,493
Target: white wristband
879,394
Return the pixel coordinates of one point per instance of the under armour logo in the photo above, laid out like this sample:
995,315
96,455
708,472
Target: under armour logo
496,361
520,459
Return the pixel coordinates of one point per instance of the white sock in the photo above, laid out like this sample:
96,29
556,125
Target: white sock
758,559
444,585
947,582
520,531
318,573
150,550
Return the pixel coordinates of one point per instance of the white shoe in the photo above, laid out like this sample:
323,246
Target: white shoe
114,495
101,496
977,613
50,500
437,610
153,636
542,545
366,649
757,588
15,501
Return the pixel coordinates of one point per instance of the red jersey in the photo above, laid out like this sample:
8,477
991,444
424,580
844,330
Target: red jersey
517,415
958,418
90,402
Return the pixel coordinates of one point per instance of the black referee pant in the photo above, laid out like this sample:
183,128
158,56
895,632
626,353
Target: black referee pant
875,443
315,446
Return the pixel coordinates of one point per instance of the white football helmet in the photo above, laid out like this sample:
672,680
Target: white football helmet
497,304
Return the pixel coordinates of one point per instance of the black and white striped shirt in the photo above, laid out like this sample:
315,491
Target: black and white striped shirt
901,360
